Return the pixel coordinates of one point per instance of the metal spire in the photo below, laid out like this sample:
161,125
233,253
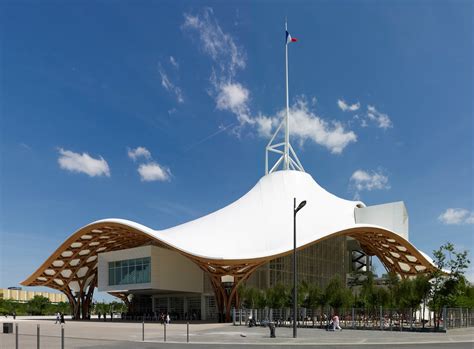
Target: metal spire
287,157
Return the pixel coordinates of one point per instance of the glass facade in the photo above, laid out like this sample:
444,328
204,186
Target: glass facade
317,264
130,271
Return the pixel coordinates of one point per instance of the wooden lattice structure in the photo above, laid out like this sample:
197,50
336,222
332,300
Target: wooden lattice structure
72,268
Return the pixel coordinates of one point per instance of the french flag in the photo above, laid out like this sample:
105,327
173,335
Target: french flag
289,38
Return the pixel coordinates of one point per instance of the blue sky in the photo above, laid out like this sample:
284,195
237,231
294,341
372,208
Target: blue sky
381,96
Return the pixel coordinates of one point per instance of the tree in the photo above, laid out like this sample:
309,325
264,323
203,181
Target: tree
313,298
367,293
249,297
422,288
337,294
38,305
393,283
447,279
466,298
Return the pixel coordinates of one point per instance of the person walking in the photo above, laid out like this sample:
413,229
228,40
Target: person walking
58,318
62,318
168,319
335,323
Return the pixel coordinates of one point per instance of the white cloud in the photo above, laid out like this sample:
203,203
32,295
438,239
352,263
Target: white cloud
174,62
219,45
382,120
169,86
227,58
364,180
150,171
305,125
456,216
83,163
234,97
139,152
154,172
347,107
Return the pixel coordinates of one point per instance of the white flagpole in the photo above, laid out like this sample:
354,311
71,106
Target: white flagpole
286,164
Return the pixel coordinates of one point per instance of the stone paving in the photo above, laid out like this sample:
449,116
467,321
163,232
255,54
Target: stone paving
95,334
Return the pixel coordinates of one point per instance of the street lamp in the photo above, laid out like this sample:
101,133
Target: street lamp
295,211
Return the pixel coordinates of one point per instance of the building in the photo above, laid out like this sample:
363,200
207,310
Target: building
23,296
196,267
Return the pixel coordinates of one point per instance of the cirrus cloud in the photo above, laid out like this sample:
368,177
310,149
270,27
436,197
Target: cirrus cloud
169,86
231,95
215,42
347,107
382,120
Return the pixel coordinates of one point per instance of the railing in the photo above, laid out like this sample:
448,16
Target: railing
384,319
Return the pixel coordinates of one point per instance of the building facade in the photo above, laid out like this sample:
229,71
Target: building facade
23,296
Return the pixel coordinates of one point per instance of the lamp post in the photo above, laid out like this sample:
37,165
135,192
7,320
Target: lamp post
295,211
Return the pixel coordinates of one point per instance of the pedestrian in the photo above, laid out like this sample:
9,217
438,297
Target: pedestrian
335,323
58,317
14,315
99,314
62,318
168,319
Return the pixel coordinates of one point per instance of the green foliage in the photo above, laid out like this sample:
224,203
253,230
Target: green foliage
107,308
314,297
447,288
277,296
38,305
437,289
249,297
337,294
466,297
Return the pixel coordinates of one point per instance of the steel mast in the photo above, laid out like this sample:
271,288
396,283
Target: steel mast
287,157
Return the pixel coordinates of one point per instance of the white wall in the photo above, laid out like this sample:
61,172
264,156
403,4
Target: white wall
393,216
170,271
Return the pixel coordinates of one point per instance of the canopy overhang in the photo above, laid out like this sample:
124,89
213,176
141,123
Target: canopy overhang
236,239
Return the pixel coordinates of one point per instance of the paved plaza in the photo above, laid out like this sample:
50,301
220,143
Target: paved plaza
95,334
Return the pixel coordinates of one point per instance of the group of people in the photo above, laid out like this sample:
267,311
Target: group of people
60,318
165,318
104,316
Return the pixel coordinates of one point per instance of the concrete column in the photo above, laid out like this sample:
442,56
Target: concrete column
203,307
185,305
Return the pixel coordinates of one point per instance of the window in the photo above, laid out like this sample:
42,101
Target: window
130,271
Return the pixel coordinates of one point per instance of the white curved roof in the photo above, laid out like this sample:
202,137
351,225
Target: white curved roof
260,223
252,230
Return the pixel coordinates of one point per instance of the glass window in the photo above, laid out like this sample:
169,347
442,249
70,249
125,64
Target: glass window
131,271
118,277
139,271
111,276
